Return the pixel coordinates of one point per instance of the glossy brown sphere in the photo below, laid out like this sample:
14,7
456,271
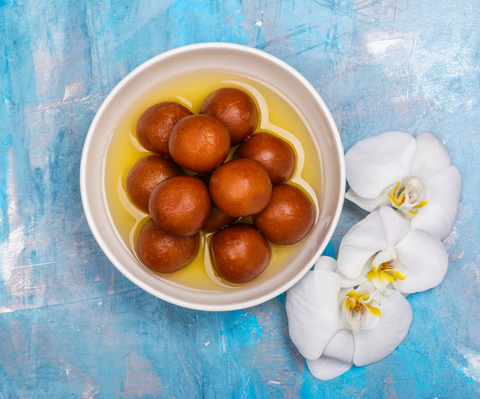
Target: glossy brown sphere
288,216
240,187
145,174
156,123
235,109
276,156
199,143
163,252
217,219
180,205
239,253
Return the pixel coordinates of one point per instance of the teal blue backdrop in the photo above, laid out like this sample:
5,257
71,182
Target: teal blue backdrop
72,326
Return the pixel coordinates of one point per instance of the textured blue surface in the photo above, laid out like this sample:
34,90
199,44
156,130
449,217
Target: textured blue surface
72,326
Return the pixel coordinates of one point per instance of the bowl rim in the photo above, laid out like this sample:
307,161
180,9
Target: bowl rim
88,209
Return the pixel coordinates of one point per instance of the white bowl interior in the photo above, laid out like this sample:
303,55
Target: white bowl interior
235,59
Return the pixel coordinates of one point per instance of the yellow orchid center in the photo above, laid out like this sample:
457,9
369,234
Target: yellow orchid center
353,304
361,309
409,196
386,270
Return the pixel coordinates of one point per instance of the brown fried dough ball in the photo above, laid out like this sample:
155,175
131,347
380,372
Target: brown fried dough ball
180,205
145,174
235,109
217,219
240,187
276,156
288,216
163,252
199,143
156,123
239,253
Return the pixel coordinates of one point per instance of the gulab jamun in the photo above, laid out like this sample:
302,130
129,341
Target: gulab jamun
217,219
288,217
156,124
164,252
240,187
180,205
239,253
276,156
145,174
199,143
235,109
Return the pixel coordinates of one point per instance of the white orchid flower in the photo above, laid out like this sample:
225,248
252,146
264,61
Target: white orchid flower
383,249
335,328
413,175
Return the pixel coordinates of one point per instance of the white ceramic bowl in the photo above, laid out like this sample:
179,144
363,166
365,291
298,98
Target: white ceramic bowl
235,59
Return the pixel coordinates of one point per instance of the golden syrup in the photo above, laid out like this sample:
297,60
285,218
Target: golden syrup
278,116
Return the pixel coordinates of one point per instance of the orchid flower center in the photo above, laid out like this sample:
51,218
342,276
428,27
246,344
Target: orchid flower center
361,309
386,270
409,196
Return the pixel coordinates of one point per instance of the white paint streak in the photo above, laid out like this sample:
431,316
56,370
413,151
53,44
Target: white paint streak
473,366
249,373
413,53
37,264
11,247
451,239
111,289
473,267
259,23
238,368
89,394
380,46
48,106
3,309
141,379
72,90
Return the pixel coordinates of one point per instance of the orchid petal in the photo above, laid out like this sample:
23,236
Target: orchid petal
392,328
394,225
337,357
326,263
439,215
341,295
377,162
431,156
327,368
370,318
313,313
368,204
346,282
361,242
380,258
367,285
426,259
341,347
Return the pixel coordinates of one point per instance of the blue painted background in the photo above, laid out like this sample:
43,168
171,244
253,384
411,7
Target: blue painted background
72,326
